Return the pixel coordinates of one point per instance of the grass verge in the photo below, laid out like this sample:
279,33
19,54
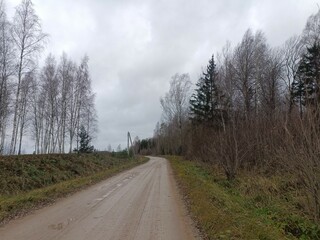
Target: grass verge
240,209
13,205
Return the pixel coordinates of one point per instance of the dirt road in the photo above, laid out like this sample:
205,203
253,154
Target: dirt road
141,203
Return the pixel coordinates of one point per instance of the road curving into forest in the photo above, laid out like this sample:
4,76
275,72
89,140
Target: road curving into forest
141,203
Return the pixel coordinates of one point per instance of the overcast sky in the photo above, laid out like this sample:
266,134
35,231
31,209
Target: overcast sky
135,46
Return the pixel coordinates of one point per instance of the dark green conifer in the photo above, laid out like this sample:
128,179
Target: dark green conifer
85,141
204,102
305,87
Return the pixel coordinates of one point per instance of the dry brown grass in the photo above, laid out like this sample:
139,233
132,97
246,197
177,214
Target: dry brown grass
250,207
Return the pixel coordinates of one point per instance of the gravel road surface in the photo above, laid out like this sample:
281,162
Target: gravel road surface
141,203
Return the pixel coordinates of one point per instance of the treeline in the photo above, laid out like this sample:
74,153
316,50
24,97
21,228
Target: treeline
48,105
255,107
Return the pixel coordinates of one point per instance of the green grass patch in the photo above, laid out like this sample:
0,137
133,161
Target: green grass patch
28,182
251,207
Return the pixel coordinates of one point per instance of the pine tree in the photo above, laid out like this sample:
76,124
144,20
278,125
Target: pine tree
85,141
204,102
305,87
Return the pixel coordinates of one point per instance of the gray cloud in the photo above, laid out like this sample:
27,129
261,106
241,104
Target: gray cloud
136,46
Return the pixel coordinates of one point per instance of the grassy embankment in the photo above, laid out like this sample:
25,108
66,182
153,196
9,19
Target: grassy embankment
30,181
252,207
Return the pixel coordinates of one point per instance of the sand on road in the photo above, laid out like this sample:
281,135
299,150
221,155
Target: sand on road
141,203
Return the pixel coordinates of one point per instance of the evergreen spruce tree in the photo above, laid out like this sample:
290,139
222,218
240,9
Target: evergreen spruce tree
85,141
305,87
204,102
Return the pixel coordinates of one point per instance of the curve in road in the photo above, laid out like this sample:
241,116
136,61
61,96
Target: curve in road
141,203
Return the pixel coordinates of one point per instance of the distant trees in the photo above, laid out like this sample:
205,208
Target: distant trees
145,146
48,104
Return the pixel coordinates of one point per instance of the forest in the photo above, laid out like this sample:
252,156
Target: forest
255,108
49,102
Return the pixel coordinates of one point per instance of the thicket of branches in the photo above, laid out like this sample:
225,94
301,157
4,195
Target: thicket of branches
255,108
47,104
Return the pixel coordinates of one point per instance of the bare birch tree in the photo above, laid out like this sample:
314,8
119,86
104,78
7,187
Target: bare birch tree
82,109
37,115
245,63
175,106
28,40
65,75
26,88
311,32
50,88
6,70
270,82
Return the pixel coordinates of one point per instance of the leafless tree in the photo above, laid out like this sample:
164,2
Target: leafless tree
37,115
66,75
227,77
28,40
291,56
62,102
24,103
256,81
311,32
232,147
176,101
57,100
81,86
89,115
6,70
299,154
247,55
175,105
270,82
50,88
